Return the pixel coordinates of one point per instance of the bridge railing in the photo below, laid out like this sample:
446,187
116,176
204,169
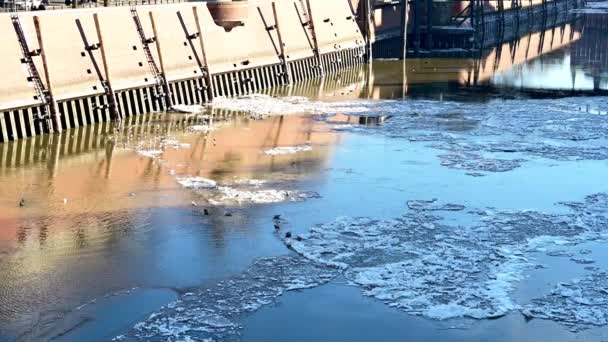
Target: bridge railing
36,5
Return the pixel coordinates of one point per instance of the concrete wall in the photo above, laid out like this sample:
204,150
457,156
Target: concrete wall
72,72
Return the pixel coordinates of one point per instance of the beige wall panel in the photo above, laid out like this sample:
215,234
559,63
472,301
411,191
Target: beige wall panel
335,25
177,56
243,47
297,44
72,74
15,91
127,63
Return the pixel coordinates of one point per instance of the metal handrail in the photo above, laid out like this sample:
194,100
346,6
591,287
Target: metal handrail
11,7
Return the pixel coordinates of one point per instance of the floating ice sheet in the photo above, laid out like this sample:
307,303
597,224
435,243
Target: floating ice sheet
578,304
150,153
243,191
213,313
197,183
414,262
283,150
423,266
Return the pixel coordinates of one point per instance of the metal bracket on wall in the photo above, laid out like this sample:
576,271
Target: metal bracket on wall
162,89
109,92
45,96
203,67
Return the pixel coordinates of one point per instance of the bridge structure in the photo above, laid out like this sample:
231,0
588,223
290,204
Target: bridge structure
397,28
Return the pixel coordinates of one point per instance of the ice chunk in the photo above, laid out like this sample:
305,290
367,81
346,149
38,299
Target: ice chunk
287,150
197,183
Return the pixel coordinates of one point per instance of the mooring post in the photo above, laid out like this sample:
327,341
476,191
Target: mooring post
210,88
404,20
52,104
283,56
114,112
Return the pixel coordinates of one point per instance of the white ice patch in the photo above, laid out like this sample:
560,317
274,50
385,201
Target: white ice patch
188,108
578,304
212,313
201,128
261,196
287,150
253,196
256,183
174,143
259,104
244,191
197,183
423,266
150,153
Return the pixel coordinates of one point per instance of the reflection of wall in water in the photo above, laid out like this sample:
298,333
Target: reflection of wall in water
591,52
388,78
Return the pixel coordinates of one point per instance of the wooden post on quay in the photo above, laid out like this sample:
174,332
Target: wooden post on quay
53,108
404,20
369,9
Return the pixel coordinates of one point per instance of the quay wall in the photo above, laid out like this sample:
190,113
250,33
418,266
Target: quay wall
93,65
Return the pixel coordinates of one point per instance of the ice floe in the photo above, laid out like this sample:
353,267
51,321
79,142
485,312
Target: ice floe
197,183
283,150
495,136
150,153
579,304
244,191
201,128
213,312
415,263
422,266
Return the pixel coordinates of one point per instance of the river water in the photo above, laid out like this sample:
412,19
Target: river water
436,199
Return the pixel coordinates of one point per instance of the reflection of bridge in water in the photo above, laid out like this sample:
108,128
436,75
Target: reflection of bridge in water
568,58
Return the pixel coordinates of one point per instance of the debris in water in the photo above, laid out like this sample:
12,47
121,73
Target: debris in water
22,203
